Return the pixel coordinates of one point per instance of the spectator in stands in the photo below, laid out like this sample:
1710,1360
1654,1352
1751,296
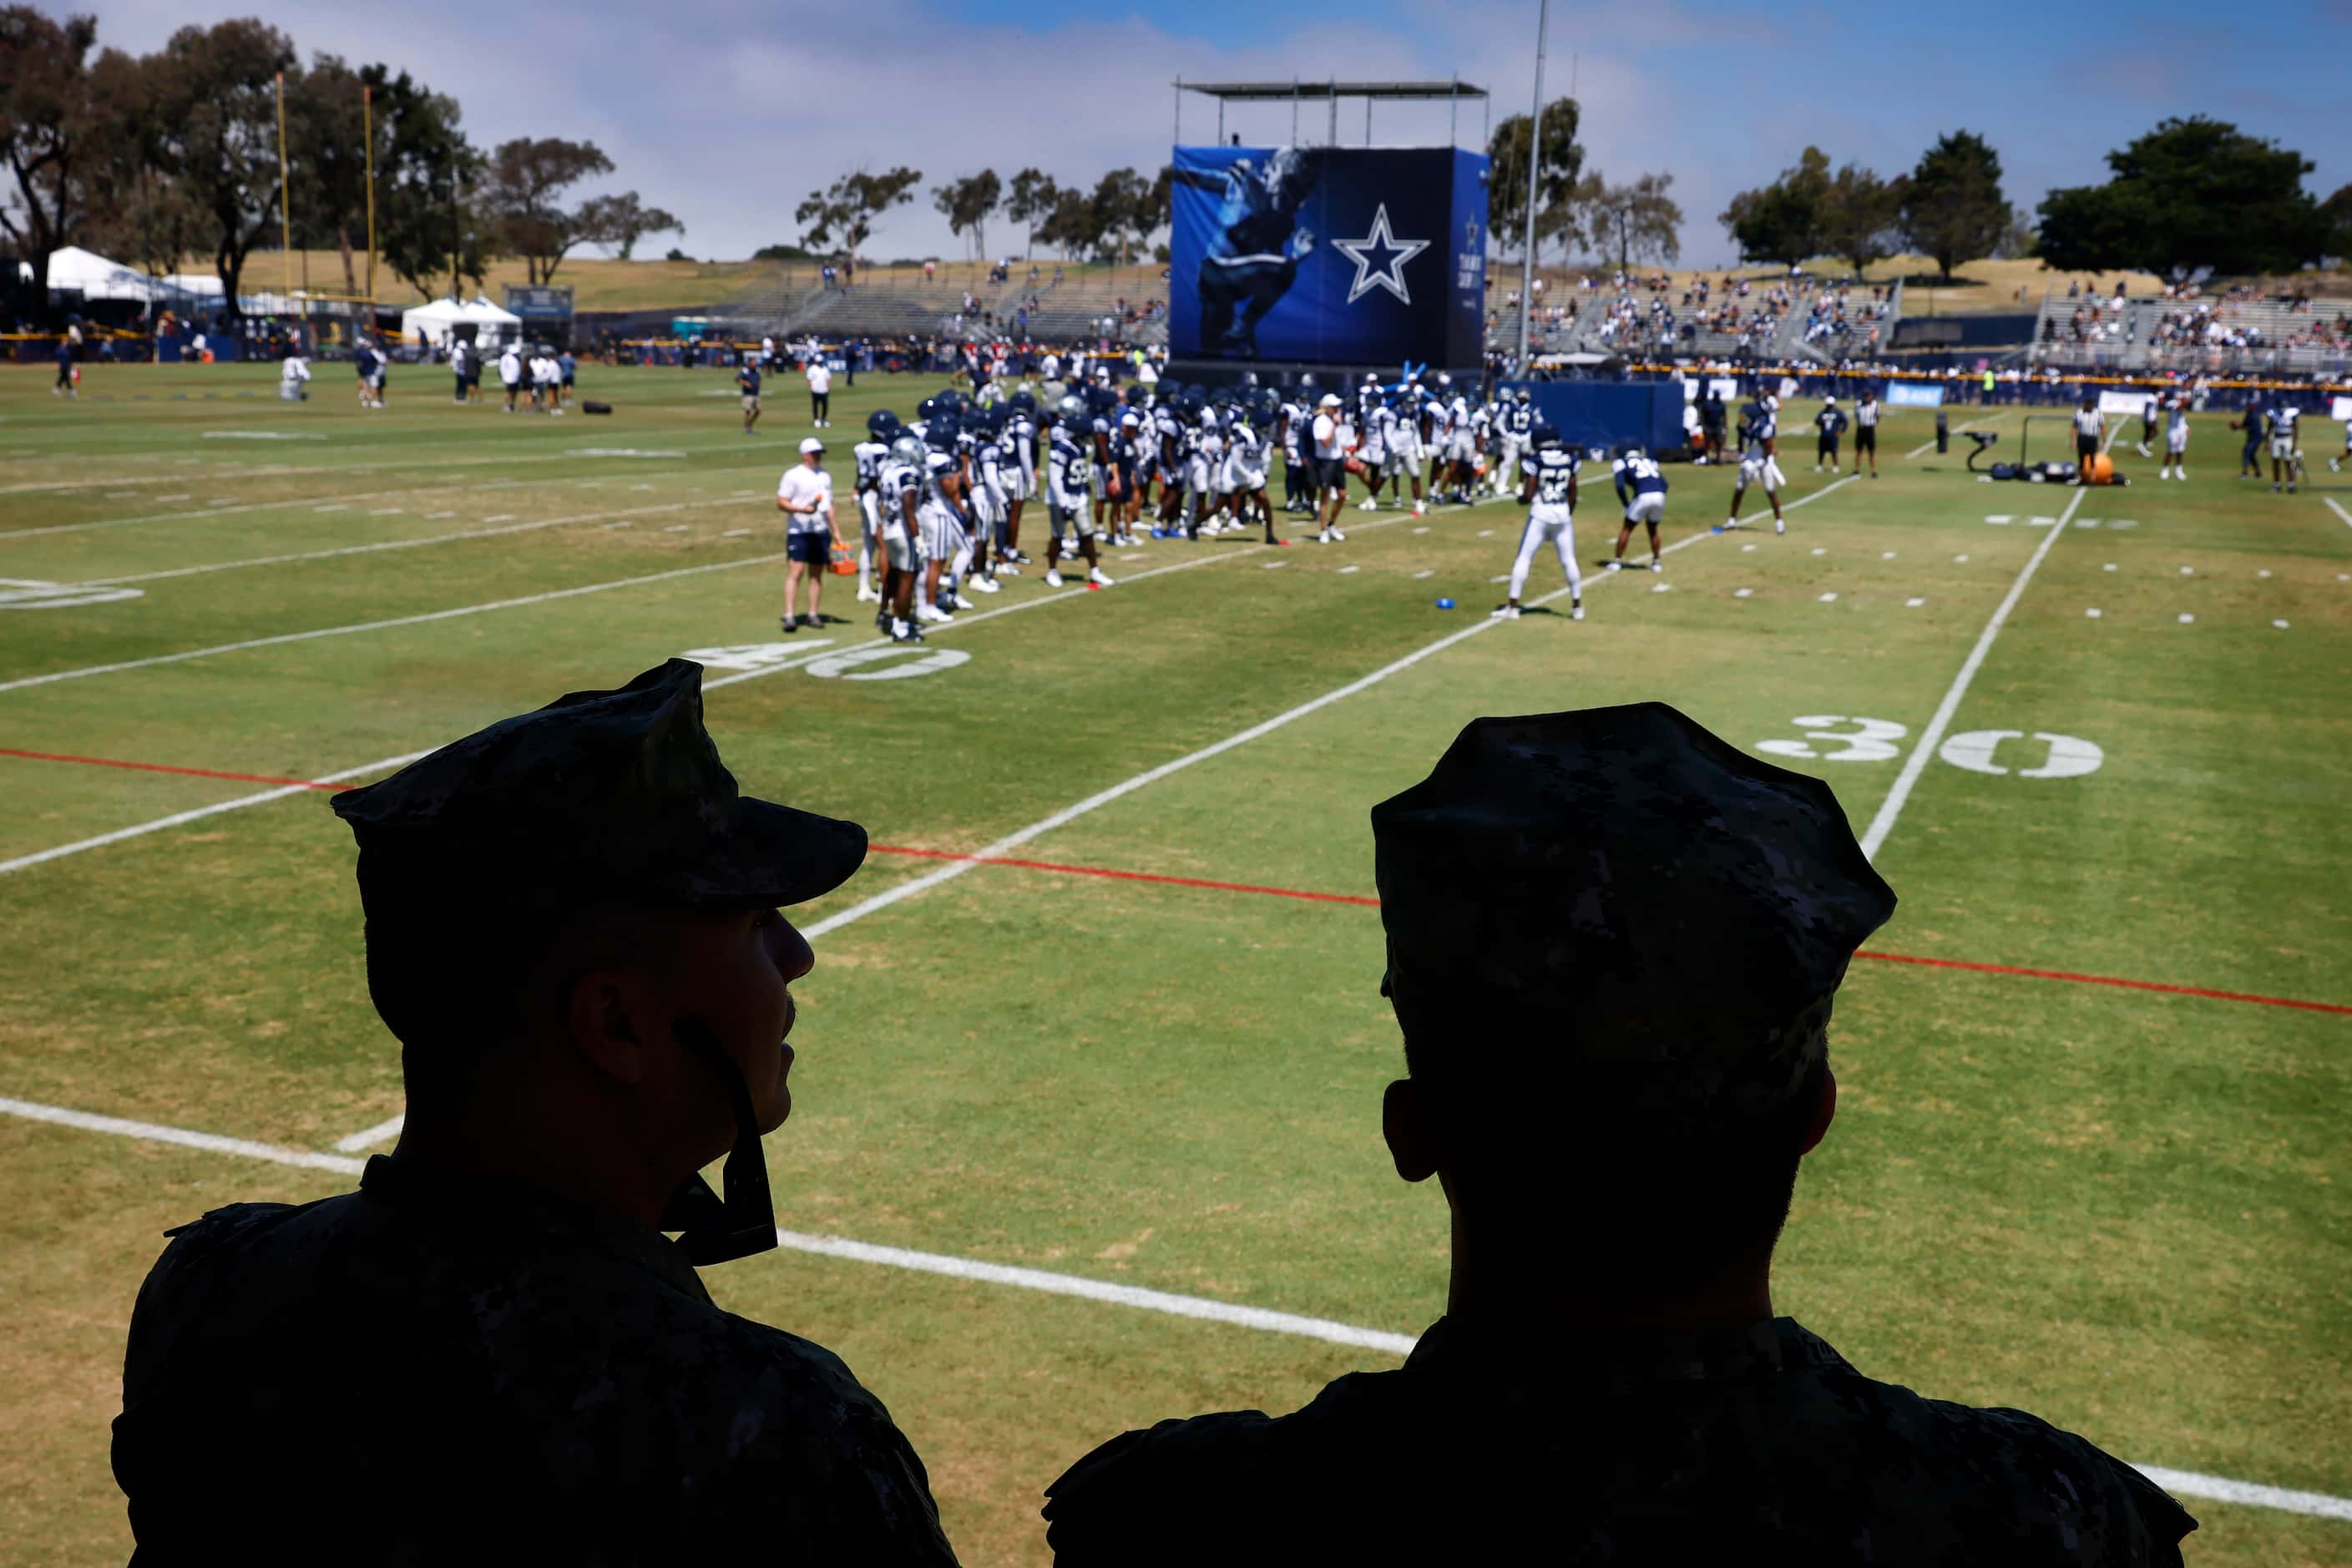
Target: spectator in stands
1613,943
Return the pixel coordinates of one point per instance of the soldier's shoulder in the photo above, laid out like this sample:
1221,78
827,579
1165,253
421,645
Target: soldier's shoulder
1149,1496
2018,1474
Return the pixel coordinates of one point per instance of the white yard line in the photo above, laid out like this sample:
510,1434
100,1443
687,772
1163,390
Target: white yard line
1930,441
178,817
737,499
368,1137
2184,1483
2338,510
1891,808
359,626
334,501
951,869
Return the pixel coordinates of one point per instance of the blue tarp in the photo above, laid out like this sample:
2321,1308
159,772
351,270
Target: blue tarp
1608,414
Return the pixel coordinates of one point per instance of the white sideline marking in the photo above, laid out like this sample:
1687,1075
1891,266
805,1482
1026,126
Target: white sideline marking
1932,736
2338,510
1257,1318
367,1137
1913,604
2187,619
1419,576
1741,593
1930,441
150,1132
2279,625
1345,570
2220,1489
951,869
2185,1483
429,615
178,817
512,528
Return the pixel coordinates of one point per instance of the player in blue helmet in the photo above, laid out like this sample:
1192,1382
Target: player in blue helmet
1641,491
882,431
1548,486
1069,485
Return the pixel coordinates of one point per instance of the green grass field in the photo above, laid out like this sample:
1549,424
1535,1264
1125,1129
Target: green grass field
2128,1210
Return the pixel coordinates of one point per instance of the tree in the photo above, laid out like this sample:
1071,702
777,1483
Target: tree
2337,209
1784,221
1556,171
528,177
1033,198
2018,240
1071,227
845,211
1952,209
1858,214
967,204
1633,223
327,143
214,134
617,223
2191,193
429,212
47,113
1121,206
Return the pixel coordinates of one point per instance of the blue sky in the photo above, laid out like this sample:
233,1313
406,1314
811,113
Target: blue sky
728,112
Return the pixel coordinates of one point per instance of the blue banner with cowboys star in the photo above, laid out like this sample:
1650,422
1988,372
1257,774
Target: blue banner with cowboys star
1349,255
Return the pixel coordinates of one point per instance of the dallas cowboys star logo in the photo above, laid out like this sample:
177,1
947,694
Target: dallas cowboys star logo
1388,273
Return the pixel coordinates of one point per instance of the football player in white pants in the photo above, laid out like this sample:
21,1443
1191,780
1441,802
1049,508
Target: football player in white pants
940,531
1641,491
1069,484
1548,489
870,455
2176,437
1759,464
1403,431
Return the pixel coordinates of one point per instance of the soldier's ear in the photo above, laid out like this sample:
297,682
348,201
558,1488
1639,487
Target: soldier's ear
1411,1131
602,1025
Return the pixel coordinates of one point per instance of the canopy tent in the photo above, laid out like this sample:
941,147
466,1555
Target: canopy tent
95,277
439,320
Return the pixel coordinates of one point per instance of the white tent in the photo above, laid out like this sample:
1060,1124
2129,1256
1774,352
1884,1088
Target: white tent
436,323
96,277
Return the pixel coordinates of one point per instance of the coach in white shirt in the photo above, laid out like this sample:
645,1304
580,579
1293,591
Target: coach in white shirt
820,380
1331,449
811,535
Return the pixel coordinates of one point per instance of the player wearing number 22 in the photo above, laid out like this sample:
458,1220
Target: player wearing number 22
1548,487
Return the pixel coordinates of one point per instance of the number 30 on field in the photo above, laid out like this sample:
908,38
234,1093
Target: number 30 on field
1835,738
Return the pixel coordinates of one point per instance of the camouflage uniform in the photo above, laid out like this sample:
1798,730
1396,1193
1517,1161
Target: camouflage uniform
420,1371
437,1367
1611,928
1746,1445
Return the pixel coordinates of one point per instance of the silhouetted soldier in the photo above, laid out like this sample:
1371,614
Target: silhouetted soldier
490,1353
1612,945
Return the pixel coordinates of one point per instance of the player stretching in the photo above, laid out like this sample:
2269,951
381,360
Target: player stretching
1642,489
1548,491
1759,463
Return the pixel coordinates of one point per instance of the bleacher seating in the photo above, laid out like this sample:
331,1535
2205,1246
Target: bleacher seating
2195,334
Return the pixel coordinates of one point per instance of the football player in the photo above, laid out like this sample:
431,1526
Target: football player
882,428
1548,488
1069,484
2286,460
1866,431
1641,491
1021,475
899,487
2176,437
1760,461
1830,423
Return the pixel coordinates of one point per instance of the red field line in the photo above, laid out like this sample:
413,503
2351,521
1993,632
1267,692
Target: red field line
164,768
1065,869
1880,957
2107,980
1131,876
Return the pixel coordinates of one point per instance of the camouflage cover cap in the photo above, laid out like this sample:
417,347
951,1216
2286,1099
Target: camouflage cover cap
1616,900
599,793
